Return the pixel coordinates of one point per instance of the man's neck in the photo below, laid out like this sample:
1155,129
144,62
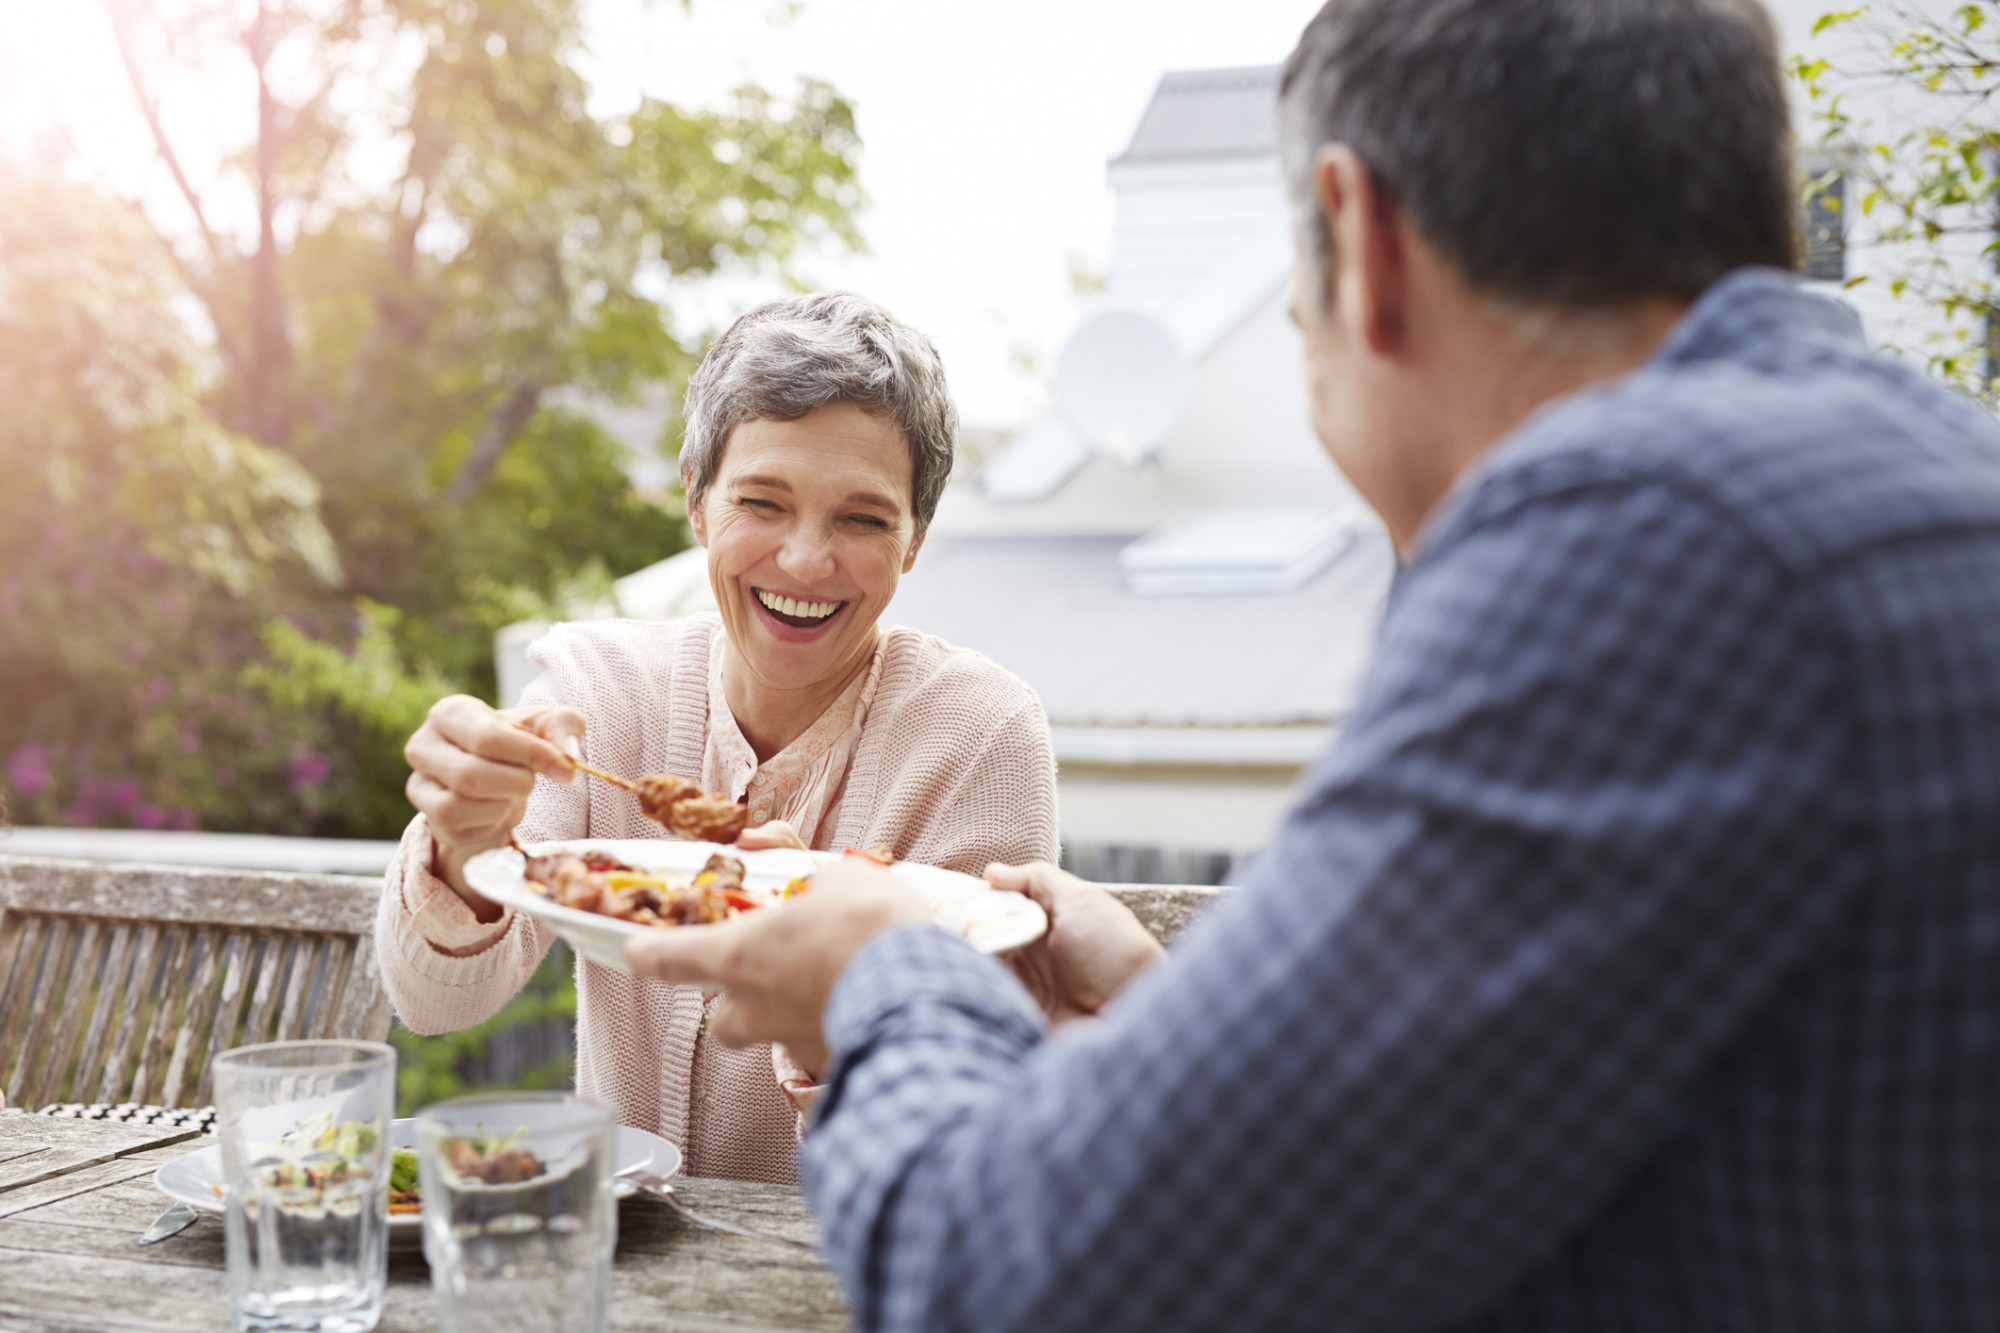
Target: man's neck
771,717
1498,368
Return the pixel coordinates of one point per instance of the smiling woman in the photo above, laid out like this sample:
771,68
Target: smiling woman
820,435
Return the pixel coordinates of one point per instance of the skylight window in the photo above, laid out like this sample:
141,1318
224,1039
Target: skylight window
1236,553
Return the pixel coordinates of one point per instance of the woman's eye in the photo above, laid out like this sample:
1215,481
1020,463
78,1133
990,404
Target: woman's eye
762,506
869,521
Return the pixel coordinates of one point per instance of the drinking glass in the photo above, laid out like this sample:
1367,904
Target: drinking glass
305,1162
519,1217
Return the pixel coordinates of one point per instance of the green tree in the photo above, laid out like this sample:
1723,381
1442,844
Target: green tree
420,266
133,525
1903,114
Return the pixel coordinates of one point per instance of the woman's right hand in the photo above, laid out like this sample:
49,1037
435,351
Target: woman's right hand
471,769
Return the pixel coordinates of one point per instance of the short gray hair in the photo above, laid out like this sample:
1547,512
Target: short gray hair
785,358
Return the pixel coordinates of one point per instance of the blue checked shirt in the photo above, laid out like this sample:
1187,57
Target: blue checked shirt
1632,962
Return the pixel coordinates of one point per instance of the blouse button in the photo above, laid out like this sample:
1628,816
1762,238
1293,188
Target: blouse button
760,814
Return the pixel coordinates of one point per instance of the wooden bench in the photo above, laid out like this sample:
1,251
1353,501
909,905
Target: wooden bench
118,982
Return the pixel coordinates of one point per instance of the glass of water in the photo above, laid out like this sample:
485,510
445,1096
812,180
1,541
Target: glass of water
305,1164
519,1217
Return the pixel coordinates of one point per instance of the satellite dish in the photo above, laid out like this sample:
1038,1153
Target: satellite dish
1122,382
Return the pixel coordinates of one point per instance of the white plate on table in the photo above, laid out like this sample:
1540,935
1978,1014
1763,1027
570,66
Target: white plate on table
196,1179
987,919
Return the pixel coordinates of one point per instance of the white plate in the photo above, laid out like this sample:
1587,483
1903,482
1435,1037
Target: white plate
194,1179
987,919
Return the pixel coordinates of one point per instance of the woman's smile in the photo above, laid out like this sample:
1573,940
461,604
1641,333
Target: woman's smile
798,613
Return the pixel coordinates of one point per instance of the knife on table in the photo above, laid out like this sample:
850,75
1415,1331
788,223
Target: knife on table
170,1223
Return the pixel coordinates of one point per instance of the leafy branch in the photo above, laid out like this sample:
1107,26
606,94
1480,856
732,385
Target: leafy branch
1922,168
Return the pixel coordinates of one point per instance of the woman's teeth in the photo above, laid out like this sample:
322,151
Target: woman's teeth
789,606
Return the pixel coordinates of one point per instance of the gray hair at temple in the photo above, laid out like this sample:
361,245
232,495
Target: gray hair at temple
1566,154
785,358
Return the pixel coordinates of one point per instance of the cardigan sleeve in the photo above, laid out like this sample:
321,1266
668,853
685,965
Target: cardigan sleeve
966,806
956,767
443,968
1010,789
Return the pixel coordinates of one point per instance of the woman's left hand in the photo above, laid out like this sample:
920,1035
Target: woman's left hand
776,833
1093,948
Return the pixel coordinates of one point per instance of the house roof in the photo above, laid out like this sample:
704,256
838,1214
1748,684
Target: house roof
1206,113
1055,611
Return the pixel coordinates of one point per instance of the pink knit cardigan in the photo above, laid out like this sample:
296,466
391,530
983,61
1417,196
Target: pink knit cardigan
954,768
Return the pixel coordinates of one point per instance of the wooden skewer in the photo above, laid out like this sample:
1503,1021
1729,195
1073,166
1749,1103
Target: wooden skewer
664,817
602,776
597,773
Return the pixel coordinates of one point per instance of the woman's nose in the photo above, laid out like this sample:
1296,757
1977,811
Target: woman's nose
808,552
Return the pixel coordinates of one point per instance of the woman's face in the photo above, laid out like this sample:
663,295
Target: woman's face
808,527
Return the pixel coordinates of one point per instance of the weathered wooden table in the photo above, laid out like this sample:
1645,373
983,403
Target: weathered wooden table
74,1196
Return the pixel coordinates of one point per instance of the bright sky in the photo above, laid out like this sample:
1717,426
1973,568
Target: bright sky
986,129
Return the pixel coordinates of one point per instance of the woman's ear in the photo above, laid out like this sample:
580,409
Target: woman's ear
697,505
910,556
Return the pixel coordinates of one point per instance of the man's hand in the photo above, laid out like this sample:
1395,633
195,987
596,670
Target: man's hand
777,967
471,769
1094,945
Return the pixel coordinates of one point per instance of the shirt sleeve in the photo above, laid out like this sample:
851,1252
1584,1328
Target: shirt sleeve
1577,830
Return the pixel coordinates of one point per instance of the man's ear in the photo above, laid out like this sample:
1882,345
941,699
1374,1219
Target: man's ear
697,512
1369,269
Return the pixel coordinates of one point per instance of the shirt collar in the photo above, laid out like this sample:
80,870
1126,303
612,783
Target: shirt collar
1763,315
1754,315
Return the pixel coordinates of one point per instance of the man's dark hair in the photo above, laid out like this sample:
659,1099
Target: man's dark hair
1566,153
